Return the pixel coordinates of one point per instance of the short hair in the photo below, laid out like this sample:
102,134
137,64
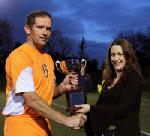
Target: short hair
30,20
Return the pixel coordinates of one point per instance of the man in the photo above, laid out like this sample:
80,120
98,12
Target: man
84,82
30,84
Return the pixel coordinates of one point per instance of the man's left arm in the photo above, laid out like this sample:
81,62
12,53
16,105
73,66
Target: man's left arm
58,90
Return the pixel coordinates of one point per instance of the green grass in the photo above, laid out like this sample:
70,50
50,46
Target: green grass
145,115
60,130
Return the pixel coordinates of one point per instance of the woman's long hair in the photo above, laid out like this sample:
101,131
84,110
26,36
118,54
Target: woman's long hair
131,61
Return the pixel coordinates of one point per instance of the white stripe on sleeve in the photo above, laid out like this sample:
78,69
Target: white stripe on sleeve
25,82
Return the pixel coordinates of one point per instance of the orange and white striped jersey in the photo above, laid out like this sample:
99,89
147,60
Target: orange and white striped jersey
28,70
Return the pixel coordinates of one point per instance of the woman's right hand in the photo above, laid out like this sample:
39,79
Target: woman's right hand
83,108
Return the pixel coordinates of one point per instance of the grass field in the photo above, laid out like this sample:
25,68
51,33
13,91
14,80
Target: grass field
60,104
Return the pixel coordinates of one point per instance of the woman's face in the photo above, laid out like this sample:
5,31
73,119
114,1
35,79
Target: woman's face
117,58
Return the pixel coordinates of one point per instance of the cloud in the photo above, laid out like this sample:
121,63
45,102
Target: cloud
70,27
98,20
105,18
95,20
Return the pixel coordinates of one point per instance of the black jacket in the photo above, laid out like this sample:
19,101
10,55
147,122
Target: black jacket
119,106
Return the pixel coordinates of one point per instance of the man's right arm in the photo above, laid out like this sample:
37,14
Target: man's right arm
33,101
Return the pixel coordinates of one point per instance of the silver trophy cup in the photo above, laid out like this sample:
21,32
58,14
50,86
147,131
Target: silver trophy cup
73,66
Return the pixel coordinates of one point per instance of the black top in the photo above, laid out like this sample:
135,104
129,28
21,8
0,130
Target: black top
84,82
119,105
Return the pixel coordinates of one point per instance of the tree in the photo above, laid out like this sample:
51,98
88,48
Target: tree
94,72
17,44
6,42
5,33
59,46
140,42
82,49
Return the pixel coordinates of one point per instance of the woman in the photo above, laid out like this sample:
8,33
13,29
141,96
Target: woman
119,101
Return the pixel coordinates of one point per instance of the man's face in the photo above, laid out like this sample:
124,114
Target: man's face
40,32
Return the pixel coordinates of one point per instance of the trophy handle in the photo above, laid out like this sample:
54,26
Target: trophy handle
57,64
61,66
83,63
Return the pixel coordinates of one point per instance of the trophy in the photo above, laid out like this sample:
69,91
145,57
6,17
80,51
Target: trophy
73,65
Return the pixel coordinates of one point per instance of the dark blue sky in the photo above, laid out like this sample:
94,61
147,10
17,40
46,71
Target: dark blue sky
96,20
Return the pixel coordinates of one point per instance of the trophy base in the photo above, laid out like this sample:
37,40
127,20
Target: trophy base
76,98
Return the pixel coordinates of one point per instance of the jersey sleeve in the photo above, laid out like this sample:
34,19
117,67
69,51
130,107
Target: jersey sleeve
20,67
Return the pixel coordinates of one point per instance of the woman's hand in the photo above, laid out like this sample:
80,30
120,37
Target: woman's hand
83,108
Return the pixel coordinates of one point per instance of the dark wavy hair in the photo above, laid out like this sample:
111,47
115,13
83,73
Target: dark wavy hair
30,20
131,61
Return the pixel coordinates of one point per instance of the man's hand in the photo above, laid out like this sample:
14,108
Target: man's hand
76,121
83,120
70,82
